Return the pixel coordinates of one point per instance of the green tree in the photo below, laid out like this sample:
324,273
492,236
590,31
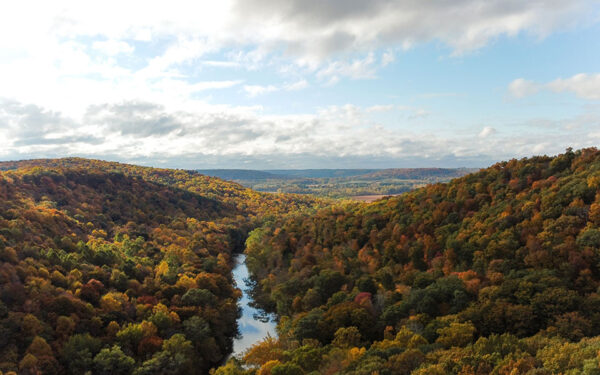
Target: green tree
112,361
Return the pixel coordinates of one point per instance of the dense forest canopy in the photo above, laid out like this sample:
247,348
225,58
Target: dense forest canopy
110,268
495,272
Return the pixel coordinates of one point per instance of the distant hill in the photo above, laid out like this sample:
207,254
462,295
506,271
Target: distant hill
418,173
241,174
338,183
320,173
368,174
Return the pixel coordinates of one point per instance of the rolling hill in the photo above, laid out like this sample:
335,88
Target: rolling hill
417,173
494,272
107,265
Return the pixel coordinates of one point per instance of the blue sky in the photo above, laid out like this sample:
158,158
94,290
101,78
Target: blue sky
299,84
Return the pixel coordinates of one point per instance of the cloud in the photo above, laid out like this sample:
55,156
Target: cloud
380,108
310,32
520,88
318,29
221,64
586,86
295,86
361,68
133,118
124,79
387,58
255,90
211,85
150,51
150,133
112,47
418,114
486,132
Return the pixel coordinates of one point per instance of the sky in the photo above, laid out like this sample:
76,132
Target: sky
263,84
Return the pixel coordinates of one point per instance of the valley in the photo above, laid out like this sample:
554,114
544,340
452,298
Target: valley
329,187
357,184
114,268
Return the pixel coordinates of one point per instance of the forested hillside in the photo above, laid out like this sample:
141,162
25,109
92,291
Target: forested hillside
109,268
495,272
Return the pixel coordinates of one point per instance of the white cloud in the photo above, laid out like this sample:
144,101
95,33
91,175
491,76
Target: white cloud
295,86
586,86
112,47
83,68
149,132
317,29
209,85
361,68
312,33
520,88
255,90
334,40
380,108
387,58
486,132
221,64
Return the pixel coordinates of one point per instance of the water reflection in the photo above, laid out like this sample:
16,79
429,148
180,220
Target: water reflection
254,325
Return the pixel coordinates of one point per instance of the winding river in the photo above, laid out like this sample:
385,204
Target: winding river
252,328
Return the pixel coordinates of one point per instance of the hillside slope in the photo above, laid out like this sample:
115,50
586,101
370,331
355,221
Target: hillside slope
494,272
114,268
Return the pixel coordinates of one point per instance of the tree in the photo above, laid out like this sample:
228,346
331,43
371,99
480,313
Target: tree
287,369
198,297
346,337
176,357
79,351
112,361
39,347
196,329
456,334
404,363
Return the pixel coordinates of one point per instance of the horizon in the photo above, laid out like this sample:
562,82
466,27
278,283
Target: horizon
296,85
145,163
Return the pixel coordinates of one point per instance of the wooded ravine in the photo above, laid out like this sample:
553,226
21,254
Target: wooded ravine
110,268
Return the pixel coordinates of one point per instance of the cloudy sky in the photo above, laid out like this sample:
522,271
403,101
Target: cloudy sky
299,83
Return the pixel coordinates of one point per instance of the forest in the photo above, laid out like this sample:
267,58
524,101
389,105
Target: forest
110,268
497,272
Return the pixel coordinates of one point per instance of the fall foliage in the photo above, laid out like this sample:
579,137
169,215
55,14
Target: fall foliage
118,269
495,272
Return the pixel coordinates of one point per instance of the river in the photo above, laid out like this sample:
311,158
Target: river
252,329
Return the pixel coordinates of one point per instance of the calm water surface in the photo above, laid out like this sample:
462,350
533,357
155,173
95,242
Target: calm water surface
251,328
